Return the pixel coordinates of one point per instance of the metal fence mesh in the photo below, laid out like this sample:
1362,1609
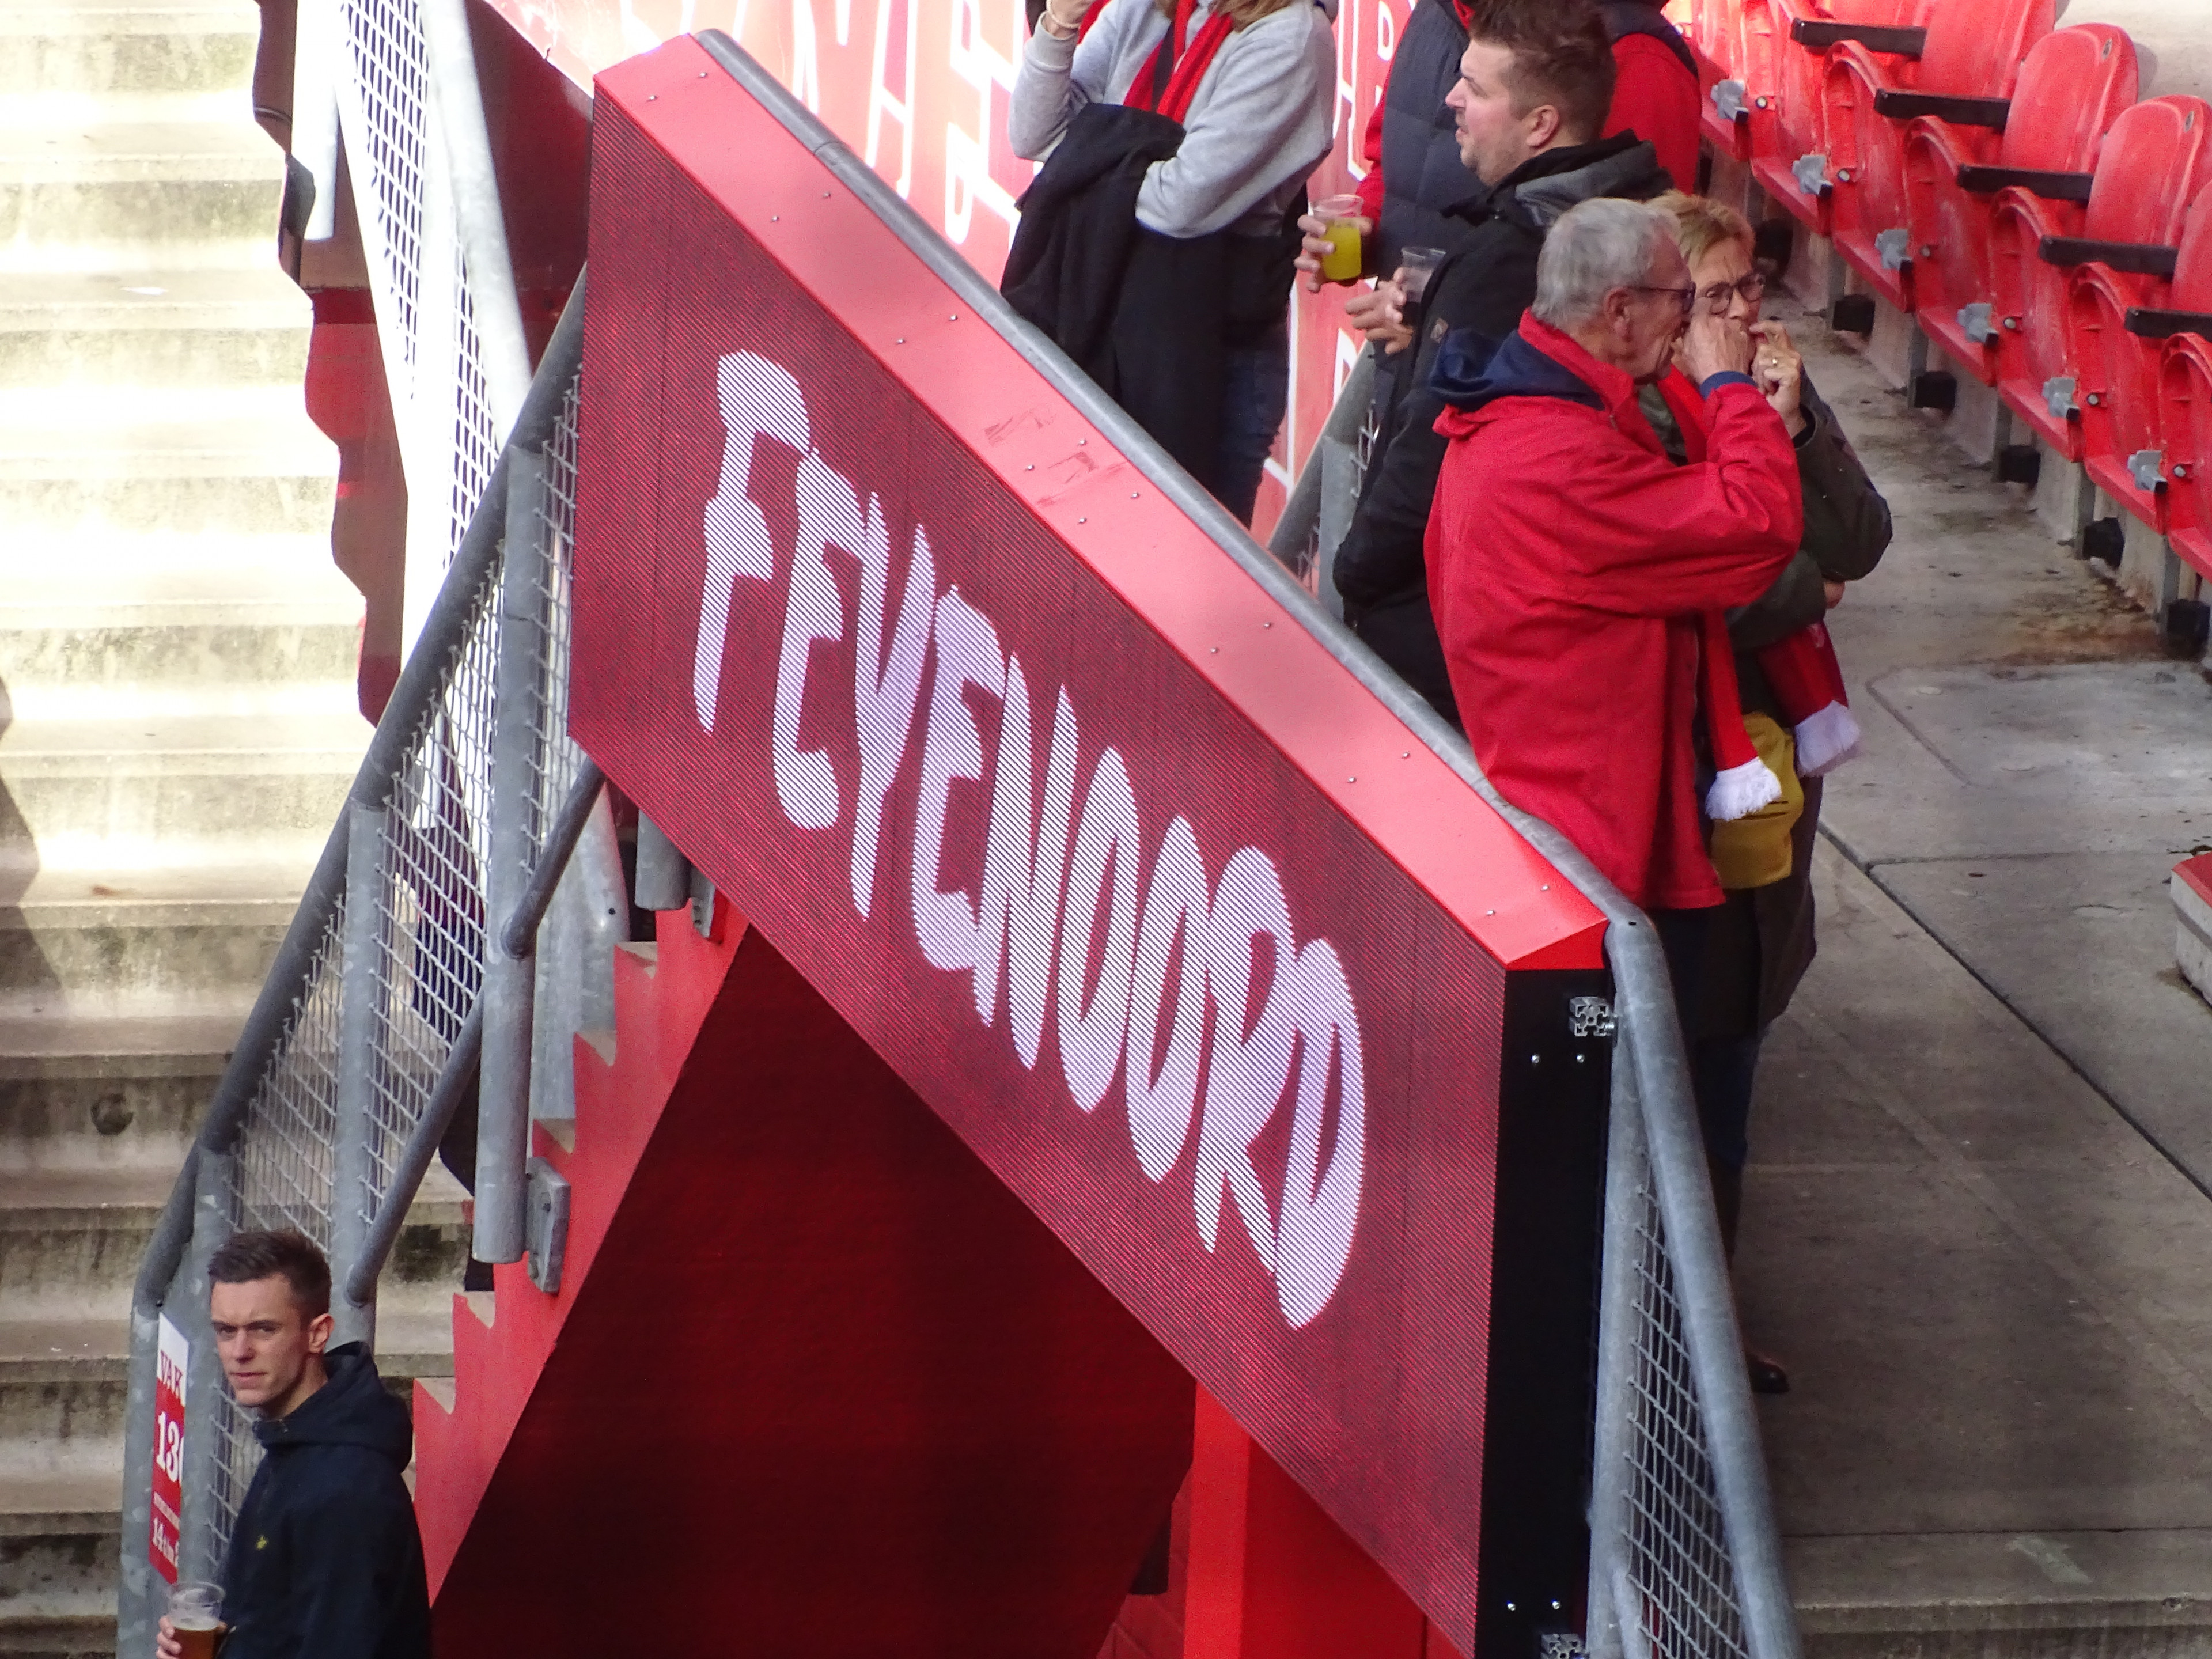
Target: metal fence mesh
1682,1601
281,1176
475,434
430,945
554,756
390,71
430,891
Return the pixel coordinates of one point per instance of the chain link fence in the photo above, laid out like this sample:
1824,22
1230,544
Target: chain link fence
364,1040
1685,1558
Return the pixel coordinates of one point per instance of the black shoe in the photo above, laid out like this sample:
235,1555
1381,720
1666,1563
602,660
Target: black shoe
476,1276
1767,1376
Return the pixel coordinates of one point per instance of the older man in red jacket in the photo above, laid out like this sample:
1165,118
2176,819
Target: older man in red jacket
1570,559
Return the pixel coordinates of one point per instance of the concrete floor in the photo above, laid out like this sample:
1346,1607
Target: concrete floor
1977,1225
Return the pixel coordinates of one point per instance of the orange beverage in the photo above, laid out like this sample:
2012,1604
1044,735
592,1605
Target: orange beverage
1339,217
196,1616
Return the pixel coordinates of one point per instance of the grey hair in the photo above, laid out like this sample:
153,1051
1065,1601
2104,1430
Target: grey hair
1597,246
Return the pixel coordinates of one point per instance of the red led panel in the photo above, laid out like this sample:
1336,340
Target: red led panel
1088,836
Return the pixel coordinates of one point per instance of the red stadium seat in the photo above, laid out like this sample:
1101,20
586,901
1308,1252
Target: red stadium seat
2149,170
2072,89
1716,41
2119,324
1962,70
1789,124
2186,427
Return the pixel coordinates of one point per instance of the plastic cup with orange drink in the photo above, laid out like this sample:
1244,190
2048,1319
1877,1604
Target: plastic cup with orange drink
1340,217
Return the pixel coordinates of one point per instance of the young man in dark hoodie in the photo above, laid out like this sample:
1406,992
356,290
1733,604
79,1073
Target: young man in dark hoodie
326,1562
1536,83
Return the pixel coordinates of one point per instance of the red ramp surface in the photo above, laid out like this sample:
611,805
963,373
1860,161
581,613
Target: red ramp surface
1006,746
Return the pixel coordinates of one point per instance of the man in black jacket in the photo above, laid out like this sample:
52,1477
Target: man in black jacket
1536,83
326,1562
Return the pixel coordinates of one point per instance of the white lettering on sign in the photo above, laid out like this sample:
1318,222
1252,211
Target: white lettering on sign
1060,883
172,1363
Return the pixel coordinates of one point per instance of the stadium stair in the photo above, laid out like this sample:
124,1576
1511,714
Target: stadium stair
177,719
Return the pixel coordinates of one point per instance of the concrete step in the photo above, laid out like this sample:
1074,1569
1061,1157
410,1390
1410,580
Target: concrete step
129,1092
208,790
63,1383
181,328
57,1564
2005,1595
98,46
128,195
168,579
246,464
56,670
103,940
70,1242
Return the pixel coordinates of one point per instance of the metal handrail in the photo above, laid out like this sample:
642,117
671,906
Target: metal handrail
415,700
1649,1036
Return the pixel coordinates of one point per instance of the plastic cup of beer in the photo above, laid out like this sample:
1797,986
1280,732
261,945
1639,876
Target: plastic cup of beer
1339,217
1415,266
196,1615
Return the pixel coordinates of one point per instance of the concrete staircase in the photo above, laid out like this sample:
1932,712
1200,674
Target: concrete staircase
177,710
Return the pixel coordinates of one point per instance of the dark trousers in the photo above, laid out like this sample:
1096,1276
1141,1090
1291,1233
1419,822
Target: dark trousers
1722,1069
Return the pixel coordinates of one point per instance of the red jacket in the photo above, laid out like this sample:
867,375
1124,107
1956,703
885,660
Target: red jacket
1568,560
1655,98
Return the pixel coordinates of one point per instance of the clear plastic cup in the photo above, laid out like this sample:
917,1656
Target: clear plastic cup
1415,266
196,1615
1339,217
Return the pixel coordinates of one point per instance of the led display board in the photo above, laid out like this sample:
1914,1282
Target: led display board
1079,826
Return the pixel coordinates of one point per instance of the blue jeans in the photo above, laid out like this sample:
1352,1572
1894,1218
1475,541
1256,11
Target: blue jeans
1255,391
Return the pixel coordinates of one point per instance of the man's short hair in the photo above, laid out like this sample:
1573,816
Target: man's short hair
1597,246
1562,56
246,1257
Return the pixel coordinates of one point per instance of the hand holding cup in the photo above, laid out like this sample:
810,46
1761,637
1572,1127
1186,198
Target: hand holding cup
1334,235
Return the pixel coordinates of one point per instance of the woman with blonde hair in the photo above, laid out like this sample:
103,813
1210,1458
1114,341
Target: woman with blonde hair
1157,245
1759,942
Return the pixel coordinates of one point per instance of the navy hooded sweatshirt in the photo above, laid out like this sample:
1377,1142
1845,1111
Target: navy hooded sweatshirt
327,1562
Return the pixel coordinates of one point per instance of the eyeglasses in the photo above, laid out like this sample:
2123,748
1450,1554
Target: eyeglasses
1720,295
1685,297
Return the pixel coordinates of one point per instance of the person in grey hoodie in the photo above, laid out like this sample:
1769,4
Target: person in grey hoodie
1536,86
1256,125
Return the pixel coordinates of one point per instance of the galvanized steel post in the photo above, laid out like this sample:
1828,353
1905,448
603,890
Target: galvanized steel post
663,874
137,1582
494,307
503,1095
1626,1195
363,971
208,1407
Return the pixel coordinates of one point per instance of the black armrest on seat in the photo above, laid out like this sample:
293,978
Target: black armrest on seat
2154,325
1904,43
2051,186
1964,112
2140,258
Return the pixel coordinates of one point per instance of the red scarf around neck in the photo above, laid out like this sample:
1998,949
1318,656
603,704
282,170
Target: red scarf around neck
1189,60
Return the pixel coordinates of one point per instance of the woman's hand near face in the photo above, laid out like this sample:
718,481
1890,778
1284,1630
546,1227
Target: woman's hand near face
1780,371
